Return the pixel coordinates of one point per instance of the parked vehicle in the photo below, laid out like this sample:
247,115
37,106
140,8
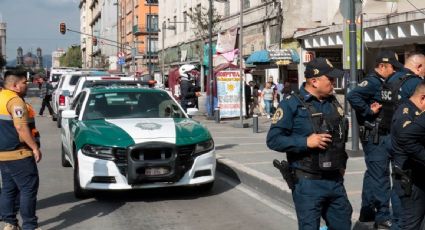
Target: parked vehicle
121,138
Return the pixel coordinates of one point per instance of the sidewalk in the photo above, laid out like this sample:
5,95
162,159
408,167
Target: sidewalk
243,155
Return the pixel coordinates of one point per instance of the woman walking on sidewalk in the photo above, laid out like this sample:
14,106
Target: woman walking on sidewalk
268,95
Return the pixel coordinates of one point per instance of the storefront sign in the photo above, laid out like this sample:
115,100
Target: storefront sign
280,54
228,93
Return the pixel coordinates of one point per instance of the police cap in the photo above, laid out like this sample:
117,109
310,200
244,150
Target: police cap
388,56
321,66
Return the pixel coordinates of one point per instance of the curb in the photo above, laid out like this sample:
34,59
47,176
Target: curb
267,185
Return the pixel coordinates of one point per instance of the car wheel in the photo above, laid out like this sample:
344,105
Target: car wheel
79,192
205,188
65,162
58,121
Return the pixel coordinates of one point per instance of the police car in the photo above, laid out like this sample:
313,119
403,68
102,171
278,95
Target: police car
119,138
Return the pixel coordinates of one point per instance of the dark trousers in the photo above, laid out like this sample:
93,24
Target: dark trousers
44,103
413,206
377,192
322,198
19,177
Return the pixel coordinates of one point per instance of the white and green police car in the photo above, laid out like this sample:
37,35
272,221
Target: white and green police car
130,138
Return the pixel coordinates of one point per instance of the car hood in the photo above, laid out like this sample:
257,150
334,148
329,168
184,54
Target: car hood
125,132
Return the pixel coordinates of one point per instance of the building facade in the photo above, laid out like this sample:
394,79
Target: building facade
180,44
3,39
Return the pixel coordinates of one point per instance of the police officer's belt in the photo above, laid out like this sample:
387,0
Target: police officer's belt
331,175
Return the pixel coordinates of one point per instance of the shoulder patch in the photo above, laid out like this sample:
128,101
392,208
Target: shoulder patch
406,123
277,115
18,111
405,110
363,83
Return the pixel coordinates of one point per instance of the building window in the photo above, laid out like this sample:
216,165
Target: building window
274,34
185,21
175,25
153,46
152,23
246,4
227,8
151,1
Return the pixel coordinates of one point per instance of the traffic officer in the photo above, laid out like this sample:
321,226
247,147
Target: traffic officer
19,153
375,101
311,128
409,158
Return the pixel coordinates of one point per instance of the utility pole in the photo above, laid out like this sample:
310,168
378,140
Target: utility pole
149,39
210,62
353,73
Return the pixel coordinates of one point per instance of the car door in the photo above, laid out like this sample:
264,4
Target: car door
69,124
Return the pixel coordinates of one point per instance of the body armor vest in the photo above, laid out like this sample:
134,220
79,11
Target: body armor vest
390,96
334,157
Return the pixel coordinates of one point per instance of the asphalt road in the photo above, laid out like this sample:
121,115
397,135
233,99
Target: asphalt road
229,205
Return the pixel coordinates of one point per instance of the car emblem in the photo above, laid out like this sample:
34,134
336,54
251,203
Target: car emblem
148,126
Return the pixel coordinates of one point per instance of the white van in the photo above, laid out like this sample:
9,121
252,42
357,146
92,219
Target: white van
56,73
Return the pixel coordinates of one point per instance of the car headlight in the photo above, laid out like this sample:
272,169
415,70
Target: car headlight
101,152
204,147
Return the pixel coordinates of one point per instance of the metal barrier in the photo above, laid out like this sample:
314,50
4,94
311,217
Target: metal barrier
255,123
217,114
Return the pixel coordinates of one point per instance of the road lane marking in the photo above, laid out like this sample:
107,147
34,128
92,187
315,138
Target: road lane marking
288,213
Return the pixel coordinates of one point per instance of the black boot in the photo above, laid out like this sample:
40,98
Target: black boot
383,225
367,214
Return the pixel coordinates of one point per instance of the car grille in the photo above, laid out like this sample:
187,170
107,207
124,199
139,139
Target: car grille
184,157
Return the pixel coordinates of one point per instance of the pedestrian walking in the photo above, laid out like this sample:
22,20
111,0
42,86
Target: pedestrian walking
268,95
19,153
407,131
46,95
375,100
311,128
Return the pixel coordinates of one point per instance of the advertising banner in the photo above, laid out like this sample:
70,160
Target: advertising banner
228,93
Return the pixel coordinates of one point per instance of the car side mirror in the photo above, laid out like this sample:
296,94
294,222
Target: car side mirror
69,114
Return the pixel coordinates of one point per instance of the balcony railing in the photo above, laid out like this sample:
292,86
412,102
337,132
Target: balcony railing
142,30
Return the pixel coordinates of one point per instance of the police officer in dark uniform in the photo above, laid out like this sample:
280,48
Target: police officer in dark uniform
375,100
409,159
311,128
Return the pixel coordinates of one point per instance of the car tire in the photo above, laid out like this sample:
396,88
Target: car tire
79,192
65,162
58,121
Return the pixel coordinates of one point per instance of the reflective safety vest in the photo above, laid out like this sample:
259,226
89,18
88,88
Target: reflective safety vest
31,124
9,136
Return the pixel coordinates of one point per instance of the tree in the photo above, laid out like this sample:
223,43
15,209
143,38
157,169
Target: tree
200,18
3,62
72,57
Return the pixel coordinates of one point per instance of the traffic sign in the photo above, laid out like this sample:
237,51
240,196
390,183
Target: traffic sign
121,54
121,61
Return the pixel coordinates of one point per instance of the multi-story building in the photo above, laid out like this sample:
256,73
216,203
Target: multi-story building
139,35
261,31
55,57
119,29
319,28
3,39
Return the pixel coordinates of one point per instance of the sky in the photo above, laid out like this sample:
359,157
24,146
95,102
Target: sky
35,23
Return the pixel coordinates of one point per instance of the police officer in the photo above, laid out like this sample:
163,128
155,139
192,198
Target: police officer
188,90
19,153
375,100
409,159
311,128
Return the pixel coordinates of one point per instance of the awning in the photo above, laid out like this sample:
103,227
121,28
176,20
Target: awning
275,56
261,56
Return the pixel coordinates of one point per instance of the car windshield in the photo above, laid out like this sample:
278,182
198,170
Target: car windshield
56,77
119,105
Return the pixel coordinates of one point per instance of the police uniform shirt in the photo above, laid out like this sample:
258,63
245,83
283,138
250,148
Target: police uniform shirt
17,108
364,95
404,116
291,124
409,85
410,141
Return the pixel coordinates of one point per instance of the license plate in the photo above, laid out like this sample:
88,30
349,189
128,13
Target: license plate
156,171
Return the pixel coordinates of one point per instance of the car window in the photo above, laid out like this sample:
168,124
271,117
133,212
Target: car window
79,102
120,105
74,79
61,83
